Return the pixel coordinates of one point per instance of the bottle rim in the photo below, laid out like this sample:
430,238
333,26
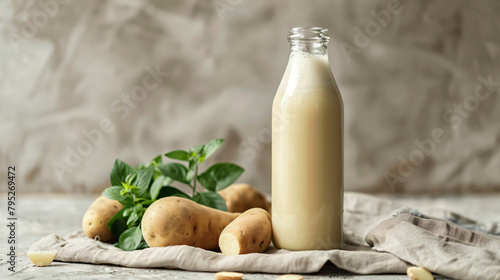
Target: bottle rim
308,34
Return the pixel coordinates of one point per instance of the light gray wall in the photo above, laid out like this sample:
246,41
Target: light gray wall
66,67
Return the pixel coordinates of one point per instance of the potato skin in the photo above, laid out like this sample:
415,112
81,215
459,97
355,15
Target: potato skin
95,220
241,197
226,275
251,232
178,221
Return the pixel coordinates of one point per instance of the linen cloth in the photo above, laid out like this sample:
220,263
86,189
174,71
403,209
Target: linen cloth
381,236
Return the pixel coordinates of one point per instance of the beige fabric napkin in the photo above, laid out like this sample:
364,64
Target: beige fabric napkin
399,241
439,246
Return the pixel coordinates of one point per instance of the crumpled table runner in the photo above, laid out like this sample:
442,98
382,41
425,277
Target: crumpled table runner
380,236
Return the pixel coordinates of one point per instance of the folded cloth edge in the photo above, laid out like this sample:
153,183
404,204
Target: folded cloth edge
75,247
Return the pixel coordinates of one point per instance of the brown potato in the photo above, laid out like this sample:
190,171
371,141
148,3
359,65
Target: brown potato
179,221
251,232
241,197
225,275
95,220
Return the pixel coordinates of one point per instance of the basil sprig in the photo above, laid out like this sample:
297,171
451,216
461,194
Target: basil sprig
137,188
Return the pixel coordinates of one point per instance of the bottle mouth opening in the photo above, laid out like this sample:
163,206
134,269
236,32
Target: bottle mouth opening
308,34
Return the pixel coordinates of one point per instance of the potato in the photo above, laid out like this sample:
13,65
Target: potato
241,197
251,232
179,221
42,258
95,220
225,275
419,273
290,277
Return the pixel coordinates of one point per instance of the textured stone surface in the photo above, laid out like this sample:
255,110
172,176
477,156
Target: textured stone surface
224,61
43,214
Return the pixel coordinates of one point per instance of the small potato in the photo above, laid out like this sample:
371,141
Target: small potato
225,275
42,258
178,221
289,277
95,220
419,273
251,232
241,197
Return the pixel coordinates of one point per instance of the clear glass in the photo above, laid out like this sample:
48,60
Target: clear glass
307,148
312,40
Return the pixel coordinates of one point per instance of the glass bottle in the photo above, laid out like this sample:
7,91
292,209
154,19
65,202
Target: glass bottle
307,148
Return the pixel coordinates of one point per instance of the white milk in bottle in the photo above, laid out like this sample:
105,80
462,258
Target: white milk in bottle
307,148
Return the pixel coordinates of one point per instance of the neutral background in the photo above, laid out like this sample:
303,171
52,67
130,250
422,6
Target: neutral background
66,67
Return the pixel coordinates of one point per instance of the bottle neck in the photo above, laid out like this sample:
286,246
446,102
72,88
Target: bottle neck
311,40
315,48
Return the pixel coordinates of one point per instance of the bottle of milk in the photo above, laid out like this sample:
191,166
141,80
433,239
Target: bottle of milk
307,148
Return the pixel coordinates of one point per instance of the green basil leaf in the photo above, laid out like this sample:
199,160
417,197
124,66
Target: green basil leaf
156,173
126,200
113,193
210,148
132,219
137,208
219,176
143,180
143,245
175,171
119,172
130,179
143,193
127,212
211,199
147,202
197,150
158,159
192,164
141,167
190,175
118,224
159,183
171,191
130,239
179,154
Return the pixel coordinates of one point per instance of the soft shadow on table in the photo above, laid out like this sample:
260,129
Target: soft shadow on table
331,270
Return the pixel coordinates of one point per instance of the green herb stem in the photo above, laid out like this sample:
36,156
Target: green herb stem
194,177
